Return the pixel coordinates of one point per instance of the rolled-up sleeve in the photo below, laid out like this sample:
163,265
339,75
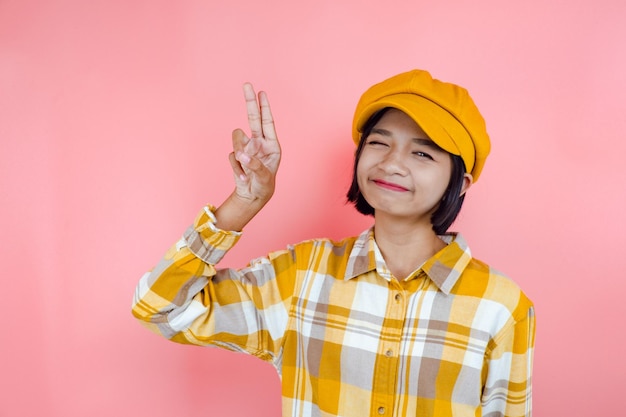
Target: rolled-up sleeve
186,299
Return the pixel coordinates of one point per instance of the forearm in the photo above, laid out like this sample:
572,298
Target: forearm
236,212
163,296
175,292
187,300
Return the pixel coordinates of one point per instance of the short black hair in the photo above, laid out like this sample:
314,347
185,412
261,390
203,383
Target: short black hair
450,204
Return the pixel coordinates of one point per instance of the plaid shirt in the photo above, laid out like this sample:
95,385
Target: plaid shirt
455,338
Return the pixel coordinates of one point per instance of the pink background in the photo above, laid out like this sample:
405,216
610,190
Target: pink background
115,121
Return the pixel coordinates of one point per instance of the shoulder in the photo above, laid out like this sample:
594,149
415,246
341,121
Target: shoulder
337,247
494,288
336,258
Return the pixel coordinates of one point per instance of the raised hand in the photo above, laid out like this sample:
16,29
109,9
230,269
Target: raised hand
255,159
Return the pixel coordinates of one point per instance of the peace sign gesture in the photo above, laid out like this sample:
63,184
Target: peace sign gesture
254,161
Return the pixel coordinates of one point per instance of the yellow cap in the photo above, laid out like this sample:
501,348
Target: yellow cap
444,111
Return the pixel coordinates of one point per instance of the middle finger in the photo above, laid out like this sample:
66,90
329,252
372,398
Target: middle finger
254,115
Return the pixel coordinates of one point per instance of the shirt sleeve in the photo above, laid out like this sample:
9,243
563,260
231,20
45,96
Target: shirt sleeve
508,386
186,299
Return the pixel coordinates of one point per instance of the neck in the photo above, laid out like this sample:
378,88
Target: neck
405,245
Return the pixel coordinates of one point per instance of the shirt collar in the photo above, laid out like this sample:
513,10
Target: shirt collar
444,268
362,257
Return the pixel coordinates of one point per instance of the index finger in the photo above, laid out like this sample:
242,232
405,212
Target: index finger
254,115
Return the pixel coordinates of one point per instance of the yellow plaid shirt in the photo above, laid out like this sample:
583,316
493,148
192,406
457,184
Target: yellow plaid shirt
455,338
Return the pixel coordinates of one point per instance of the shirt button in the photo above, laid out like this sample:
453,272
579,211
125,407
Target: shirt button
381,410
389,353
398,297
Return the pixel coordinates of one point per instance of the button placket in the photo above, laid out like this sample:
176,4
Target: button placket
386,371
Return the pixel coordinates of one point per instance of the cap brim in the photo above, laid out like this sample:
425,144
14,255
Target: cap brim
439,125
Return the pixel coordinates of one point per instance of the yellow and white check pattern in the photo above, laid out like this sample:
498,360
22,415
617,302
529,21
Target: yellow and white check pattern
455,338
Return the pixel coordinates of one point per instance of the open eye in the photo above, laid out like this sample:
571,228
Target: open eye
422,155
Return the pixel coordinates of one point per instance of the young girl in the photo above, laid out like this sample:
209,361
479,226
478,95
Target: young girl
398,321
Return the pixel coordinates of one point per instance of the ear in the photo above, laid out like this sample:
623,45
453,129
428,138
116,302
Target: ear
468,180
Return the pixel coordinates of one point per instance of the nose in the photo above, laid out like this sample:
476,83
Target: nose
393,163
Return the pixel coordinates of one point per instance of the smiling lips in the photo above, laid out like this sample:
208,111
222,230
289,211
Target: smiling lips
389,185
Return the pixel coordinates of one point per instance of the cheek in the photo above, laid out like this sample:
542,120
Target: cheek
361,183
361,175
442,186
438,184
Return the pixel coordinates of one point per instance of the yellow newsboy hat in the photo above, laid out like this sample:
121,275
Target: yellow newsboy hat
444,111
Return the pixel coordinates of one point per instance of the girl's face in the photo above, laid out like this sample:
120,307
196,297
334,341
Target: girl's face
401,172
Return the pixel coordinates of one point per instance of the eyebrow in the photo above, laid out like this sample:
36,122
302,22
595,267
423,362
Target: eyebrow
419,141
427,142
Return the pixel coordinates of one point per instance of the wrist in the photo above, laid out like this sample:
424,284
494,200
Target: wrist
236,212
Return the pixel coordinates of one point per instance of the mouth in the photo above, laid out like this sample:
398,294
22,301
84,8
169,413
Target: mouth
389,185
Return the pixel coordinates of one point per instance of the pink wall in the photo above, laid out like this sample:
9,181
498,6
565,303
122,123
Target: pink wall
113,113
